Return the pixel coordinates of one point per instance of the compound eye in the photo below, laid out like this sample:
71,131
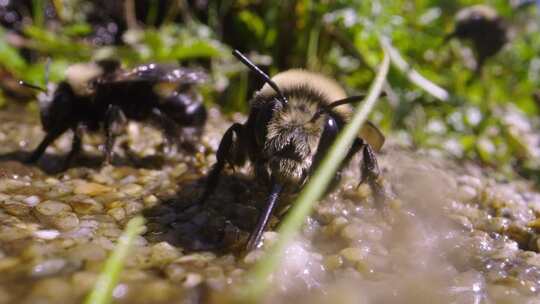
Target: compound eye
330,127
330,131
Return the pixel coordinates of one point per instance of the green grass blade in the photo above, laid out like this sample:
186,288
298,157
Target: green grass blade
413,76
258,280
107,280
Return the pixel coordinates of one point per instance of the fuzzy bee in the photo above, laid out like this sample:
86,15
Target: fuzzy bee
293,120
483,26
102,95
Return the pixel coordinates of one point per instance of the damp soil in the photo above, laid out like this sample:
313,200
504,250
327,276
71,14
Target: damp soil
448,232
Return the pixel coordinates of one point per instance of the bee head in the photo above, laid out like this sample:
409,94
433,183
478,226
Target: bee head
55,104
297,135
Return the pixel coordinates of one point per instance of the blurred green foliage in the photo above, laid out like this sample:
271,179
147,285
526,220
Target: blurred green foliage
491,118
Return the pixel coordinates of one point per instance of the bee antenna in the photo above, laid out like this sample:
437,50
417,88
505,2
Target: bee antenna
261,74
340,102
343,101
32,86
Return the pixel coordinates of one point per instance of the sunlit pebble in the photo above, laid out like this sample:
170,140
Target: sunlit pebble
31,200
47,234
48,267
120,291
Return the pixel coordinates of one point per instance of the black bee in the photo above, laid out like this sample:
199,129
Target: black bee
293,120
103,95
483,26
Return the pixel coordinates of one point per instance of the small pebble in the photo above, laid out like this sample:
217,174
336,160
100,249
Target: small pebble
150,201
176,273
52,208
8,262
65,221
47,268
51,290
192,280
333,262
353,254
91,189
119,214
87,207
16,208
131,189
163,253
49,234
32,200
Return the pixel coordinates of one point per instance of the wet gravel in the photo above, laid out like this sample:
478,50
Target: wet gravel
448,233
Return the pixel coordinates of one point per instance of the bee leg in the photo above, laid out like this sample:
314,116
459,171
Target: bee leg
49,138
223,156
169,129
255,236
75,147
115,121
370,170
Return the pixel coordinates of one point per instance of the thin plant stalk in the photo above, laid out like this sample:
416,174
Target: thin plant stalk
413,76
107,280
315,188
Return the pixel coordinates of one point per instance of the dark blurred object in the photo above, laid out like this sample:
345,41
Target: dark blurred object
536,98
103,96
483,26
11,88
107,20
15,13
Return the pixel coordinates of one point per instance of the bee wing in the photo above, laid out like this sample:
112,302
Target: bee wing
157,73
372,135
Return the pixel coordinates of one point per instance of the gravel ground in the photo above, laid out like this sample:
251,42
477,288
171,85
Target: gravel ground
448,234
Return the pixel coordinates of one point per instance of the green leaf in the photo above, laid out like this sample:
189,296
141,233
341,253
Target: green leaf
107,280
9,56
198,49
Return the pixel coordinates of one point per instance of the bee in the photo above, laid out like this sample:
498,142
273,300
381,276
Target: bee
483,26
293,120
103,96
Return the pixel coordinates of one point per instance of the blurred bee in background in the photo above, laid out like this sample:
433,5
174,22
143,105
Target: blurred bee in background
101,94
293,120
483,26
